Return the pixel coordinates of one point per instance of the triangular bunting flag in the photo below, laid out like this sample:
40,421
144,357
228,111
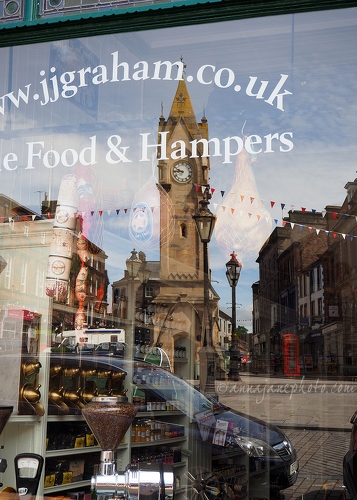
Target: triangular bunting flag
212,190
303,209
334,215
117,210
317,231
282,205
343,236
232,210
292,224
272,203
276,221
222,193
92,213
251,199
284,223
100,212
241,197
258,216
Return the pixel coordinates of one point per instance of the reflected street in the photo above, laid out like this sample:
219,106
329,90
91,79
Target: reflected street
314,413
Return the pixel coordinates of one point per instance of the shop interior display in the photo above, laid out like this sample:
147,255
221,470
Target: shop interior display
188,438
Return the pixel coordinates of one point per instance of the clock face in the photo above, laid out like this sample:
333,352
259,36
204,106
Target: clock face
182,172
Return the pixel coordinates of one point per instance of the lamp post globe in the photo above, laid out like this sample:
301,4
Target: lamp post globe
133,264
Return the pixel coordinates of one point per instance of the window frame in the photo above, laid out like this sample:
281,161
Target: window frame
106,22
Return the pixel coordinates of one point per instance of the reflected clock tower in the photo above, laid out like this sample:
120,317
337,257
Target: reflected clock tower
183,177
183,174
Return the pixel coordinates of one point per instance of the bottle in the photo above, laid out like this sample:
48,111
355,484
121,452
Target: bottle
137,432
147,432
133,433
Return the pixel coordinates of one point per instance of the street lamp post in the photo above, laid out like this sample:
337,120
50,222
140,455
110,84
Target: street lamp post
205,221
234,268
144,274
133,264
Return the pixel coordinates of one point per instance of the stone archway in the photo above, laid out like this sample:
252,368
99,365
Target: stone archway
178,328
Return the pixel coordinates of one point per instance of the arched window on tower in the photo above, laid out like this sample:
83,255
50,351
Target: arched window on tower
183,229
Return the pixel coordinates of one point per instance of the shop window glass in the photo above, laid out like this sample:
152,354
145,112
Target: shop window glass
193,154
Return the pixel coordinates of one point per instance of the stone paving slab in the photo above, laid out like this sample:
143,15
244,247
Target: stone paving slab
295,403
316,489
320,458
317,422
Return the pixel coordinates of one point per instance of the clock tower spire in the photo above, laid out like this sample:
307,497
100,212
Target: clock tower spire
182,175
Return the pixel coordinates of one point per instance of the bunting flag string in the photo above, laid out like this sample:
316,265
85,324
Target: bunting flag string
234,210
101,213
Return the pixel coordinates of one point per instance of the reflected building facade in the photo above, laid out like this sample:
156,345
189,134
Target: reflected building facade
307,278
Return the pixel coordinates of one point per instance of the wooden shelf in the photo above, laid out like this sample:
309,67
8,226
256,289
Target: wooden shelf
65,418
72,451
158,413
61,487
79,451
159,442
26,419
